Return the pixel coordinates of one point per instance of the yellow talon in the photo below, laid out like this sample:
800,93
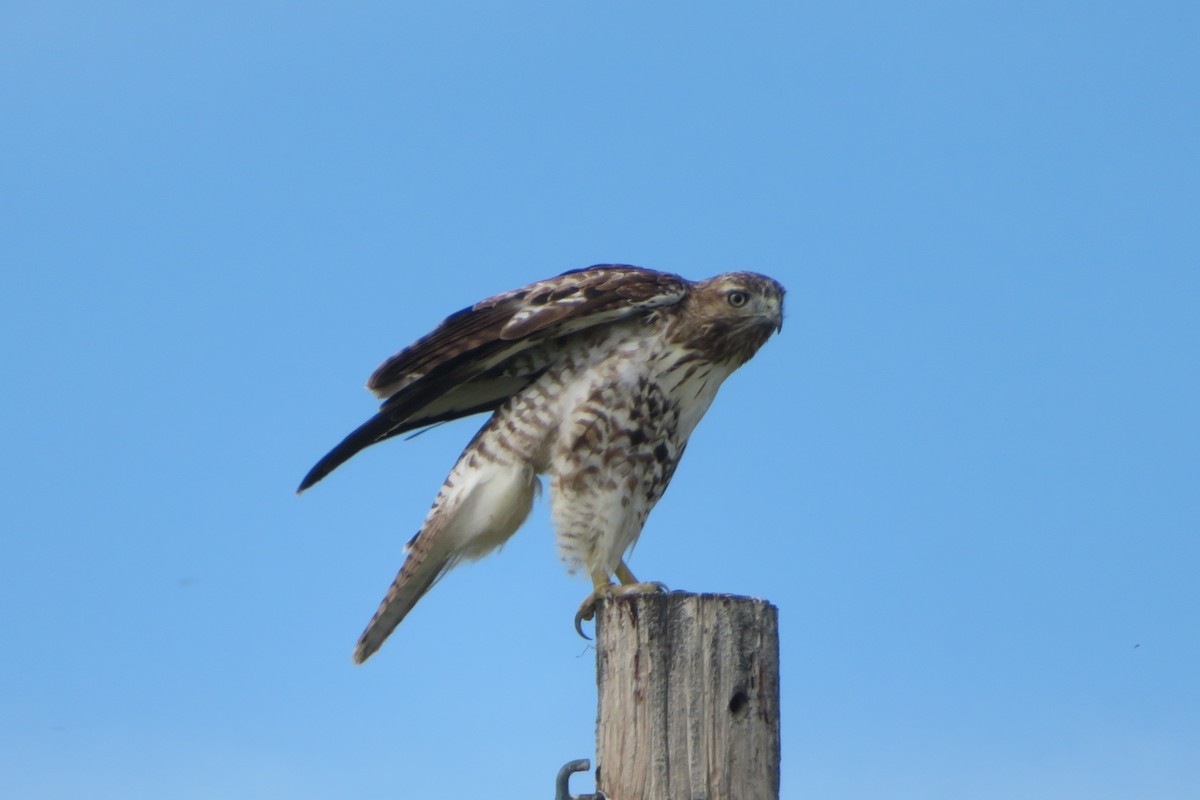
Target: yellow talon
603,588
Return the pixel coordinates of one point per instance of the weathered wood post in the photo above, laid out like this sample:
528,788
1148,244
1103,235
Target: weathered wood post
689,697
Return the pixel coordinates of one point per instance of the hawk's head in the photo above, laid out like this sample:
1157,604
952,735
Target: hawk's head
732,315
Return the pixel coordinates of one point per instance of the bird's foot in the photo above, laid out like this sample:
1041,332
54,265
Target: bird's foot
587,609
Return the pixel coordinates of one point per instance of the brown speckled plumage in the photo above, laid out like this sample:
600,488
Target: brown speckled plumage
596,377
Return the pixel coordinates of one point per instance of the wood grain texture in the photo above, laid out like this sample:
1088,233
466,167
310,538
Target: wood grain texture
688,698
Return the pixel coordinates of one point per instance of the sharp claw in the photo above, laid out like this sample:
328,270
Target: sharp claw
579,618
587,611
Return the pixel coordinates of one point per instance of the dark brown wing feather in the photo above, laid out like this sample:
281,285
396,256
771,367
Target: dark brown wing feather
480,356
523,317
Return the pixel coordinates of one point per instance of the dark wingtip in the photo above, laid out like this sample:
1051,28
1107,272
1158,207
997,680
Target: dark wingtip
373,430
328,463
334,459
308,481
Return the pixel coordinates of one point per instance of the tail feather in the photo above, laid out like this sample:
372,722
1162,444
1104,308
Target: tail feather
420,572
481,504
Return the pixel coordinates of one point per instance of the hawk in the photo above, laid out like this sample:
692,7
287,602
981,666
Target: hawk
596,377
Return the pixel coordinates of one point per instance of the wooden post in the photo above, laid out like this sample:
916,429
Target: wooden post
689,697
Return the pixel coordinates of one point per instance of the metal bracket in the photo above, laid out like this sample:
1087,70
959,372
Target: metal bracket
562,790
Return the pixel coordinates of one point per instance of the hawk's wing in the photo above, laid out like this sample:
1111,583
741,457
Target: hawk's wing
480,356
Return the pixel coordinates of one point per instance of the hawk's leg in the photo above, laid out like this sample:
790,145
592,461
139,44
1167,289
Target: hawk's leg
631,585
624,575
602,587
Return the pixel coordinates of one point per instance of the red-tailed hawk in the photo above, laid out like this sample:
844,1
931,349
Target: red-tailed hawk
597,377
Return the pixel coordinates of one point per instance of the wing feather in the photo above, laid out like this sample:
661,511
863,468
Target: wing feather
546,309
482,355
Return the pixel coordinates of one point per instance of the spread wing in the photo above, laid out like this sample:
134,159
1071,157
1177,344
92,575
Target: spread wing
480,356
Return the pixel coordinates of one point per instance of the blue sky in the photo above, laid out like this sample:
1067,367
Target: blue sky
966,472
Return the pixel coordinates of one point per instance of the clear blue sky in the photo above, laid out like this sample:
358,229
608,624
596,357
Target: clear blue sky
968,471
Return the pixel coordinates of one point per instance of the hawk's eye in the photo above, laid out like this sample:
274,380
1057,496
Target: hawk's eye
737,299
